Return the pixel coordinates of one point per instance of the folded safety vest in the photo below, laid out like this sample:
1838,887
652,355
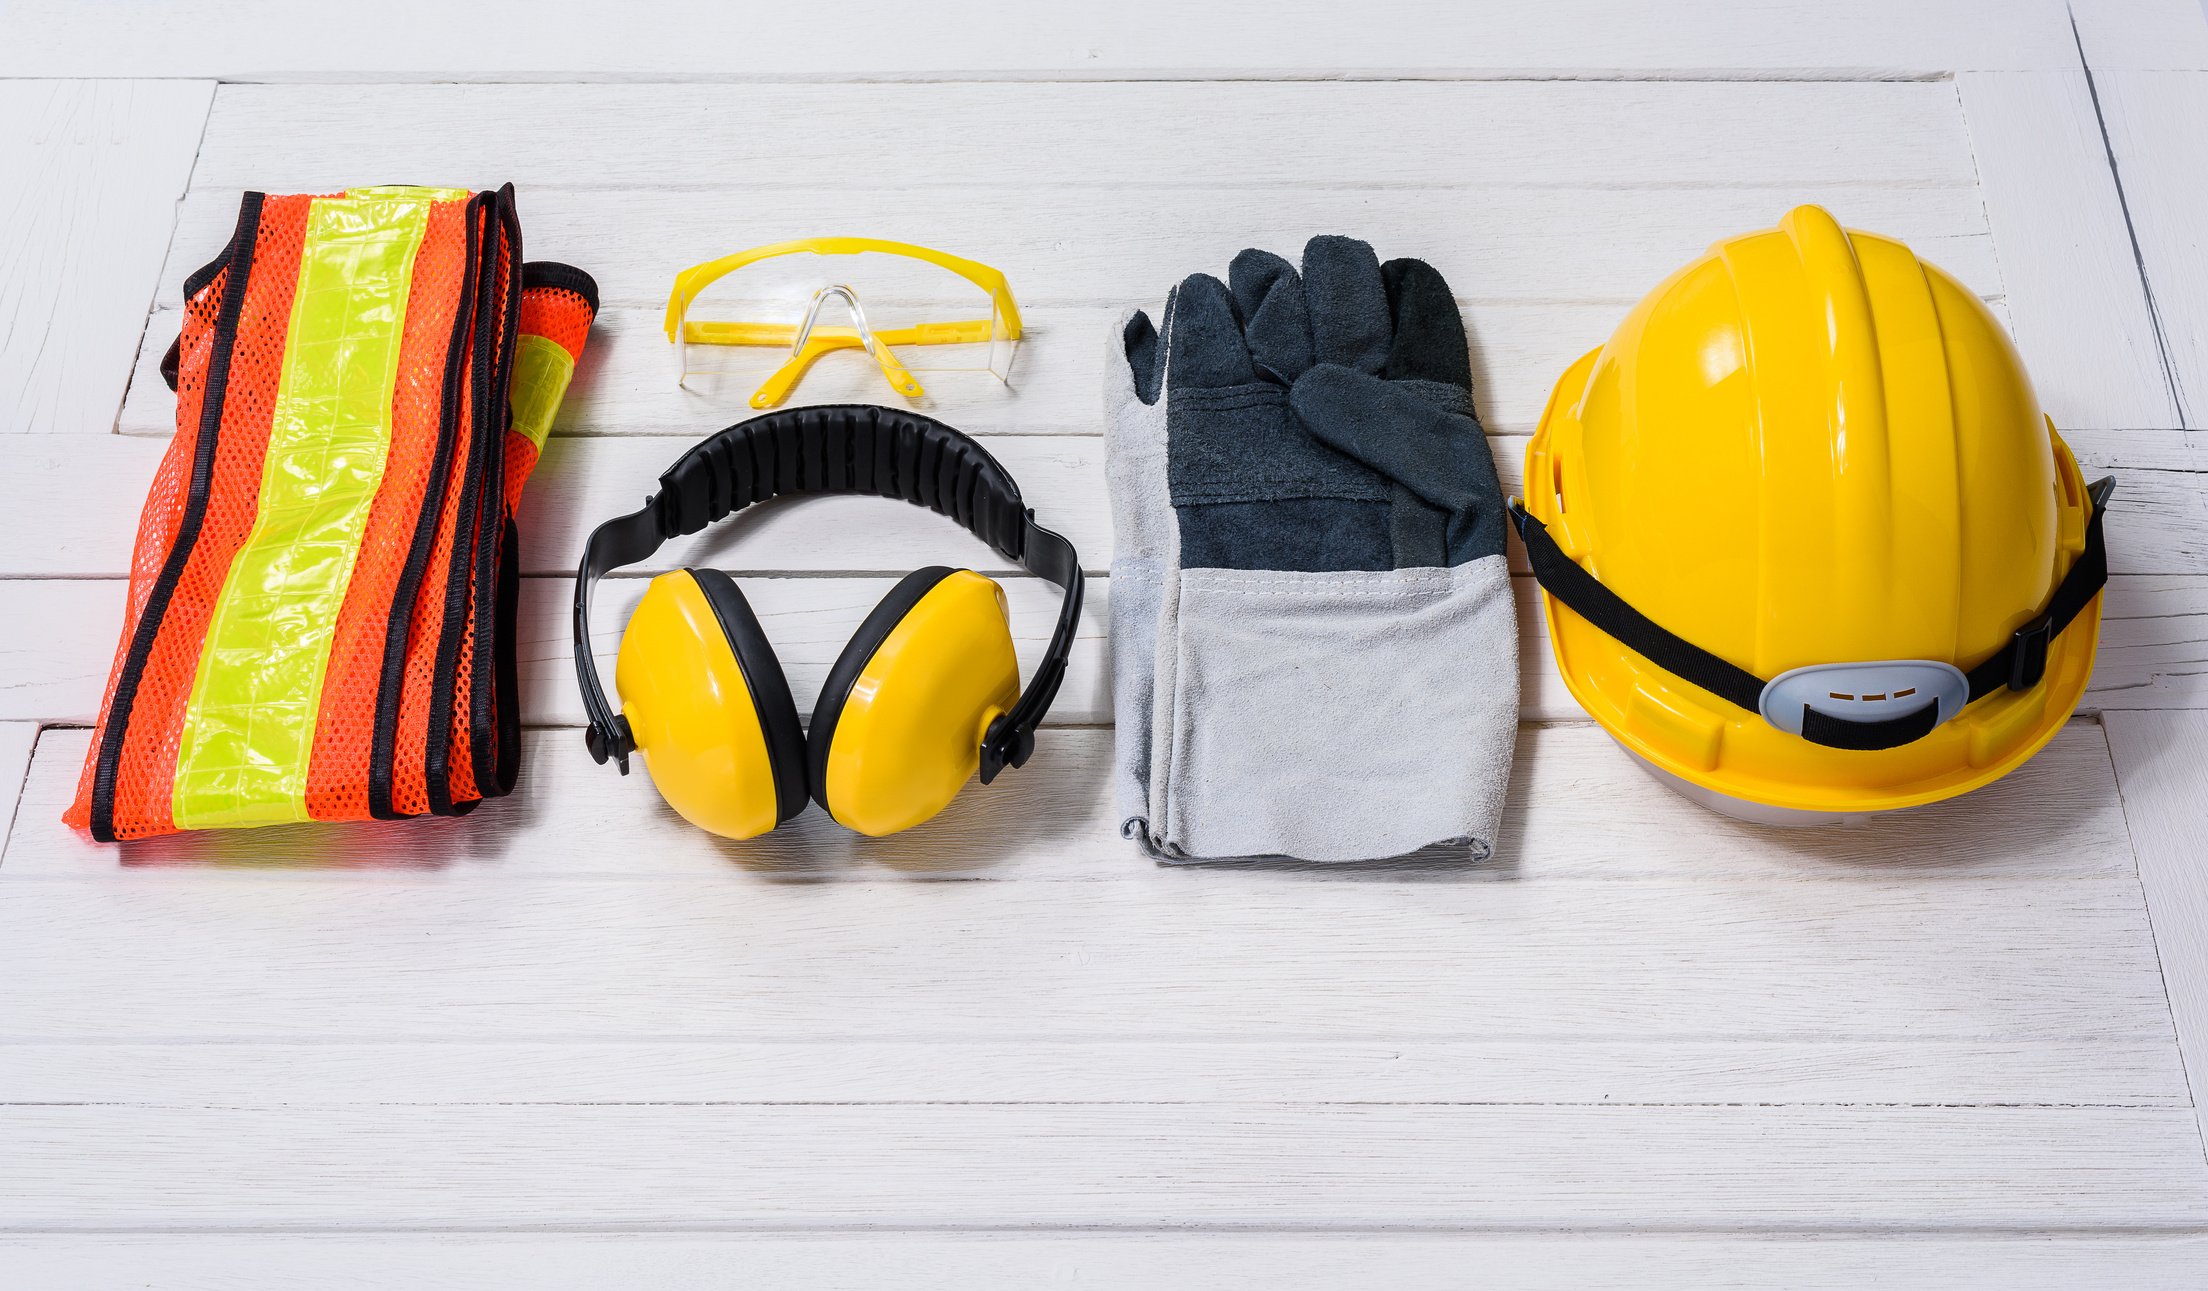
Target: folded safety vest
322,597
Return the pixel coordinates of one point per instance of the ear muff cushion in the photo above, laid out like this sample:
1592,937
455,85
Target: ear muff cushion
770,690
856,654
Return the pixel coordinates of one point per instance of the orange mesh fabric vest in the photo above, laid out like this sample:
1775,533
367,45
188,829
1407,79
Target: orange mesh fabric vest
322,595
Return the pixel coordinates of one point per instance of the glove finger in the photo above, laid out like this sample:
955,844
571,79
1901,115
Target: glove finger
1205,350
1145,357
1429,343
1426,445
1268,296
1134,447
1349,305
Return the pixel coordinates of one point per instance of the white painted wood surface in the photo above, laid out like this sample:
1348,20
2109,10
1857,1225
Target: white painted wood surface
1114,1262
747,959
93,172
2162,763
1121,1164
2074,294
1272,135
2140,1072
17,739
2154,129
569,1041
2057,818
2139,35
683,39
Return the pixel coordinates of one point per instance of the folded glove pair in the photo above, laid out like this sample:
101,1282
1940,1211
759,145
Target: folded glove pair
1314,646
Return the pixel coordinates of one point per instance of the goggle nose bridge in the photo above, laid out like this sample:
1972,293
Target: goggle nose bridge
804,349
850,300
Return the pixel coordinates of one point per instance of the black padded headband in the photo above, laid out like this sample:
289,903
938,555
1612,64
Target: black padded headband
838,448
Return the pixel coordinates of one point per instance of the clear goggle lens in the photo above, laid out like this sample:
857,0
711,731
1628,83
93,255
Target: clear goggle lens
842,322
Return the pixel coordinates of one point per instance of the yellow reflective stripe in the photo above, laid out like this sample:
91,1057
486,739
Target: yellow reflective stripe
249,727
410,192
542,369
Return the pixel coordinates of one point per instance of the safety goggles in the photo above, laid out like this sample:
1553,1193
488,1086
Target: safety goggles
762,318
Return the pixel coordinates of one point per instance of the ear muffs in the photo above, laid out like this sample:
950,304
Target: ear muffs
926,696
710,709
898,729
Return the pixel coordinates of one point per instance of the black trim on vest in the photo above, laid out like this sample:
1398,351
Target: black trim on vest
562,277
240,263
196,281
496,761
509,660
398,630
486,438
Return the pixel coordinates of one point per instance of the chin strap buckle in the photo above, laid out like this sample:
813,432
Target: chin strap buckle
2028,664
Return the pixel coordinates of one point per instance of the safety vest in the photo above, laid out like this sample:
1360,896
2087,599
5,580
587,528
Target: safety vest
322,595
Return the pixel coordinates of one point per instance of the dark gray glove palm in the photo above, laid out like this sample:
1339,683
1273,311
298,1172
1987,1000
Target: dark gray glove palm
1320,421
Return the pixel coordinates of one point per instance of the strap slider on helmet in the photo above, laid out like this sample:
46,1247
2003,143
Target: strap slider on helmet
2028,662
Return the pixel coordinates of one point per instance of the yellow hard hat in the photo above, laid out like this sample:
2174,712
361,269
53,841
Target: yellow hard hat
1807,544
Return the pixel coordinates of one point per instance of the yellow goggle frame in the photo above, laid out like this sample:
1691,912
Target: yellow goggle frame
807,342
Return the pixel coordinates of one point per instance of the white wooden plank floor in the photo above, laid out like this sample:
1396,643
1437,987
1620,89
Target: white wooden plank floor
569,1042
93,169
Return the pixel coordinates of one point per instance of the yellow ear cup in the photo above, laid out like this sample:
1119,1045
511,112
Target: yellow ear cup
899,725
709,710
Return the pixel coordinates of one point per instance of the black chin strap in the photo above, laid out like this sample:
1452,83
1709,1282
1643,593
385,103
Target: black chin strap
2023,661
2018,665
1868,736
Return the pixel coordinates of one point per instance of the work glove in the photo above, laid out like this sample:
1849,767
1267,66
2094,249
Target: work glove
1315,649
